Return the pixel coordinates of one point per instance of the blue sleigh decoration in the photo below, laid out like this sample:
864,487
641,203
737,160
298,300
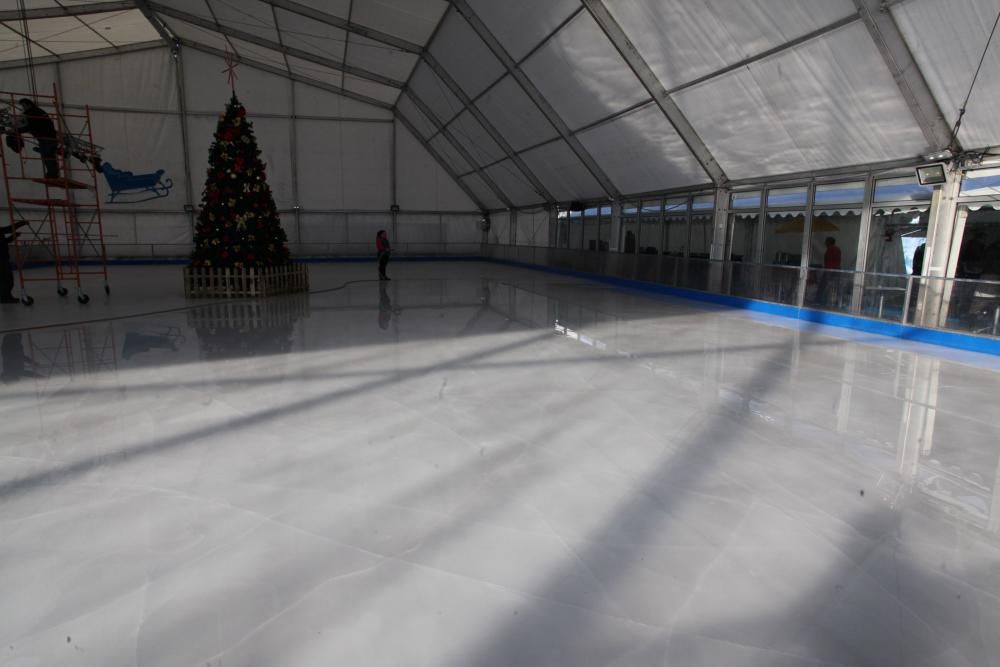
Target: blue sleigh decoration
126,183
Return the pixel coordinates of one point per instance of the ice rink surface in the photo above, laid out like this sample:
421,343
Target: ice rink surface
477,465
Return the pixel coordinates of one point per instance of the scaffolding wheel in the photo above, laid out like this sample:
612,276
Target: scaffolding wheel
27,300
83,298
62,291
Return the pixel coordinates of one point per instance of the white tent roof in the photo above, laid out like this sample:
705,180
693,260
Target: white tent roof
528,102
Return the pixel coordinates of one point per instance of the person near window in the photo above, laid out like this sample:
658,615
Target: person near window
829,282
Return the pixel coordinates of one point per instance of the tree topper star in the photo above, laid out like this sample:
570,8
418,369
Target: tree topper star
231,64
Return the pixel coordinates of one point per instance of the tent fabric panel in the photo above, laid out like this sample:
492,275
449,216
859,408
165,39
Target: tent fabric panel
343,165
562,173
461,228
195,33
433,92
449,154
515,116
708,35
206,87
413,20
380,58
947,41
521,25
371,89
421,183
582,75
513,183
312,101
261,54
311,70
464,55
419,228
141,80
827,103
251,16
311,36
478,186
475,139
413,114
642,151
338,8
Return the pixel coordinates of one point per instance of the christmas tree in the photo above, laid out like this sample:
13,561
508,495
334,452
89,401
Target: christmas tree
238,225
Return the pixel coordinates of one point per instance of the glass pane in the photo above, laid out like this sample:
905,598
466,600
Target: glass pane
701,236
606,210
897,240
650,231
840,193
902,189
591,232
575,231
676,205
787,196
975,300
833,252
605,229
562,231
982,183
745,200
703,203
742,228
630,229
676,234
783,238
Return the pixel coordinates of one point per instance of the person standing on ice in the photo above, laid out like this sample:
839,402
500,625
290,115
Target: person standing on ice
37,123
7,238
384,250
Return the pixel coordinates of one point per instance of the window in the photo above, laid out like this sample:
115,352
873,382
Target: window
904,189
982,183
743,200
787,197
650,229
630,228
675,234
832,194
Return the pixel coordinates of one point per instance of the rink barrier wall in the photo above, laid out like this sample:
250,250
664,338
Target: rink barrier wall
950,339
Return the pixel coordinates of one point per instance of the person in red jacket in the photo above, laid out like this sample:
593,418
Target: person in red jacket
829,282
384,250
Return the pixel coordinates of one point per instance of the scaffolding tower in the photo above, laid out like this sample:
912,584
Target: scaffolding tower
58,236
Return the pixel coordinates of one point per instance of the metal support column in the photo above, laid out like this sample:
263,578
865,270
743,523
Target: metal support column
935,292
800,297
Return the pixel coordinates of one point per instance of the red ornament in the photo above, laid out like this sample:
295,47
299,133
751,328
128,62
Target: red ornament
225,254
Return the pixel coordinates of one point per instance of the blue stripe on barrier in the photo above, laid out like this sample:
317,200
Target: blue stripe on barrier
166,261
952,339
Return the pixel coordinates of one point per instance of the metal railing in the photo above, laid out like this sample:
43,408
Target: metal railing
969,306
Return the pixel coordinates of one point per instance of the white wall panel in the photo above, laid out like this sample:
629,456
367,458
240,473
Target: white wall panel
312,101
319,229
343,165
514,184
515,116
362,228
433,92
641,152
449,154
208,90
582,75
141,80
421,183
171,232
419,229
520,25
830,102
413,20
16,80
500,228
947,39
562,173
461,228
142,143
703,36
464,56
474,139
532,228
